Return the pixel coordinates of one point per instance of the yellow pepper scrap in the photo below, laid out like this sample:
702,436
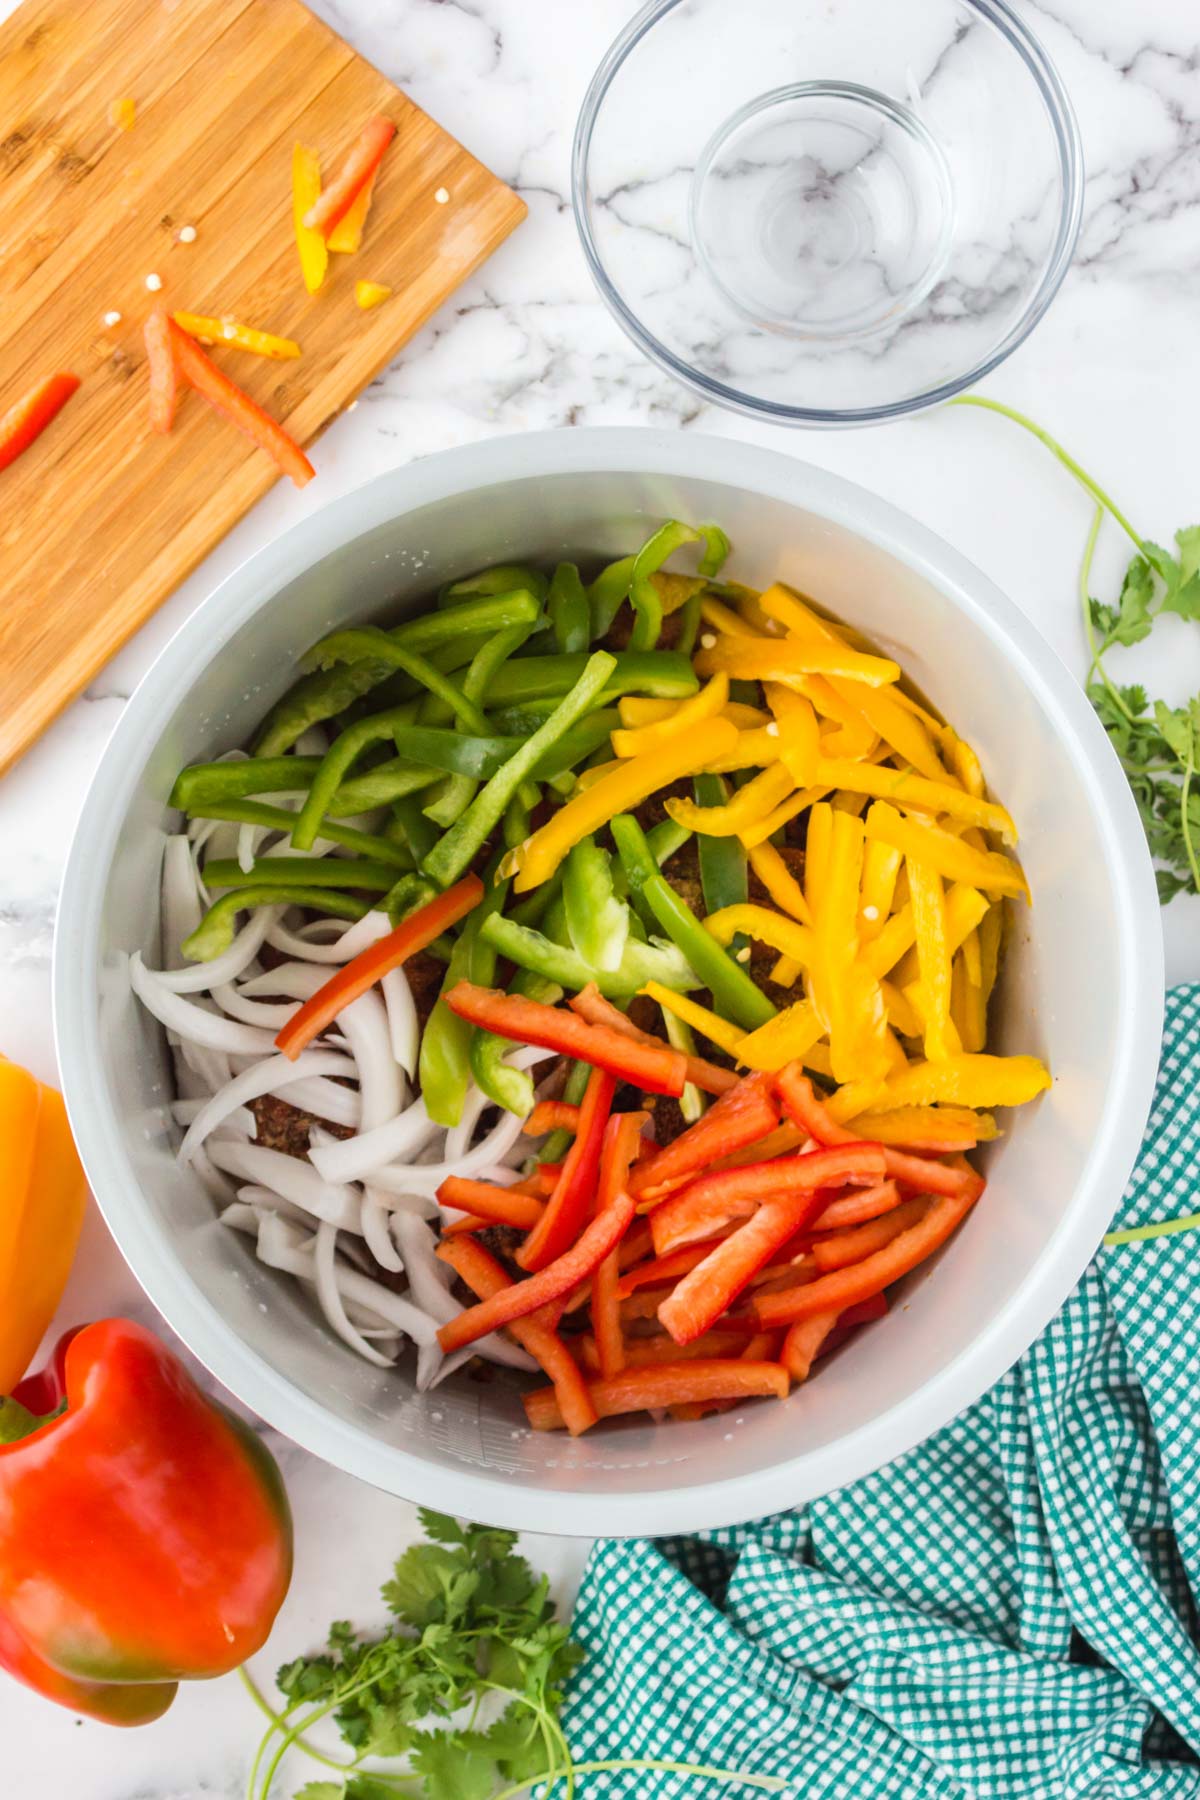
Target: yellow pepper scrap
779,881
622,788
789,1035
306,190
907,788
931,1128
707,704
122,114
974,1081
949,855
755,749
783,659
370,293
928,901
347,234
43,1193
748,804
242,337
718,1031
786,972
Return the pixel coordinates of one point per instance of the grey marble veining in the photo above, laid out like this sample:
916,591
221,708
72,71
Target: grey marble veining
1114,369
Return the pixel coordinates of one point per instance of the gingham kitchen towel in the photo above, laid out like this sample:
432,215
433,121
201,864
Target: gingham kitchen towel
1006,1613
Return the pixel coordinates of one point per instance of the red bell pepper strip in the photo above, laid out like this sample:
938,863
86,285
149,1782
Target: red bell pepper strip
799,1100
591,1005
711,1288
815,1336
622,1136
858,1206
662,1268
145,1537
850,1246
361,973
486,1277
924,1176
570,1203
360,163
654,1069
552,1115
700,1210
164,370
743,1115
649,1352
862,1280
490,1204
29,416
213,385
551,1283
667,1384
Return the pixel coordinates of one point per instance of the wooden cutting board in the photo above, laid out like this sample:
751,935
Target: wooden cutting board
100,519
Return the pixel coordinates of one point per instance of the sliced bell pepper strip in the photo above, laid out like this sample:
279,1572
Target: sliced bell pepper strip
658,1270
626,786
164,370
295,871
370,293
928,1130
779,881
664,1384
550,1283
241,337
567,605
555,962
791,1035
214,934
591,1005
881,866
815,1336
748,805
718,1030
656,1069
851,1245
699,1300
358,166
707,704
499,1205
306,190
569,1204
597,921
620,1146
213,385
644,594
793,940
863,1280
856,1207
552,1115
782,659
968,1080
700,1210
650,1352
44,1193
347,235
29,416
371,965
744,1115
986,869
909,789
692,1102
487,1278
928,900
815,1118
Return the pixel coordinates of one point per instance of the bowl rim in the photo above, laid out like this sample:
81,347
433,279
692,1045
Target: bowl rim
1065,128
130,1213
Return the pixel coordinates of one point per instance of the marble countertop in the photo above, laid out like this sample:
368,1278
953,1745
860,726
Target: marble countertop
1114,370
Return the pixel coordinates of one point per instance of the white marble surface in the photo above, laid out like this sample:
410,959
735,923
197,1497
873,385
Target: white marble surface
1114,369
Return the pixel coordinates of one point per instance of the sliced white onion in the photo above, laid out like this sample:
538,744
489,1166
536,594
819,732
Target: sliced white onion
181,910
403,1026
426,1178
329,1297
353,1158
240,1121
199,978
213,1181
271,1016
326,1100
295,980
392,1308
193,1023
240,1216
376,1234
380,1083
211,1068
287,1175
265,1198
364,932
270,1076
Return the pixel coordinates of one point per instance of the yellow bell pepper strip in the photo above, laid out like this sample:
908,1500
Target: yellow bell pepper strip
637,710
754,750
965,907
956,861
951,1043
717,1030
779,881
973,958
748,805
881,865
123,113
793,940
907,788
853,1003
43,1193
306,189
360,162
370,293
624,787
991,930
347,234
816,855
779,816
929,1130
928,901
787,972
707,704
793,1034
242,337
966,1008
723,619
783,659
975,1081
902,1015
962,761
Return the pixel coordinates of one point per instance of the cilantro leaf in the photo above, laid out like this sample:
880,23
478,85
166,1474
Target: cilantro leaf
452,1767
430,1583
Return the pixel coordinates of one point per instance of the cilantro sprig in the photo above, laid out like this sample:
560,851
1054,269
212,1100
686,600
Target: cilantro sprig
473,1630
1159,745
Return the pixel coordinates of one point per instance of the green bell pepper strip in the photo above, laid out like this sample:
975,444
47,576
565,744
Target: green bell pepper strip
503,578
489,613
689,626
459,793
454,854
514,827
217,783
444,1064
278,818
597,922
564,784
526,689
723,873
533,908
641,963
735,996
214,934
419,834
606,593
510,1088
574,1088
301,871
644,596
570,615
409,892
679,1033
665,838
383,785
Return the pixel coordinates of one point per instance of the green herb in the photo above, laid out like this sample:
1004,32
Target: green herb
471,1621
1159,746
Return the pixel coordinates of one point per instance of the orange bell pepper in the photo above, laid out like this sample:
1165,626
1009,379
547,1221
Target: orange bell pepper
742,1116
699,1211
213,385
567,1207
665,1384
347,235
496,1205
359,165
698,1301
622,1135
591,1005
43,1193
653,1066
29,416
242,337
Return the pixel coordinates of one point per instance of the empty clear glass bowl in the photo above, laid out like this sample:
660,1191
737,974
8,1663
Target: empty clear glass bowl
827,212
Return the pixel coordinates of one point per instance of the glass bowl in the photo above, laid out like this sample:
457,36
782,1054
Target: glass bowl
827,212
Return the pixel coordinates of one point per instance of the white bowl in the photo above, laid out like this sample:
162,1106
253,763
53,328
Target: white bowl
1082,984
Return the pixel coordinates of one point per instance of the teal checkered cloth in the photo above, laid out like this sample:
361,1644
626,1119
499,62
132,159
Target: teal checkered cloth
1006,1613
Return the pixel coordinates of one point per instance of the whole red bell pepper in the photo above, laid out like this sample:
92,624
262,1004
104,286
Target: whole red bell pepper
145,1537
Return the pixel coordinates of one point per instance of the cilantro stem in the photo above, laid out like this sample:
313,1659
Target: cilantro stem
279,1723
767,1784
1096,667
1189,769
1064,457
1165,1228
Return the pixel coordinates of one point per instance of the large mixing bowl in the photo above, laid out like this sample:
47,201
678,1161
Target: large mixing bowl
1082,984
